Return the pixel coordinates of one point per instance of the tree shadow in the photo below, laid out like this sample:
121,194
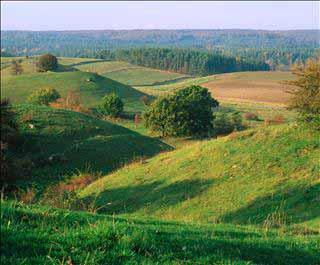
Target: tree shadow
89,62
293,205
80,143
151,196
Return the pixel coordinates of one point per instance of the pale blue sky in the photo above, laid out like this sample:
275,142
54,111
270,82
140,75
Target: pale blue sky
158,15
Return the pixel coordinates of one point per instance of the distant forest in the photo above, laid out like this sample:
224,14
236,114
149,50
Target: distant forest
186,61
278,49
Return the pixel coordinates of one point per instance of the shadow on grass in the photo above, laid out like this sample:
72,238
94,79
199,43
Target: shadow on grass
293,205
89,62
150,196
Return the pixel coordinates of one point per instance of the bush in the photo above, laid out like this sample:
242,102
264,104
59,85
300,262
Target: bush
16,68
44,96
9,139
145,100
188,112
225,123
306,93
111,105
47,62
251,116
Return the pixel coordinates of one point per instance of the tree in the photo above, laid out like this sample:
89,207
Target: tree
111,105
306,92
16,68
188,112
9,138
44,96
47,62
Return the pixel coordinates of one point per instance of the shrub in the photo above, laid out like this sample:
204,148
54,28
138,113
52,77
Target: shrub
278,119
44,96
47,62
225,123
111,105
306,93
188,112
9,139
145,100
16,68
251,116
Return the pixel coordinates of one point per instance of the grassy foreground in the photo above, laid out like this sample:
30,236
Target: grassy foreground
40,235
267,176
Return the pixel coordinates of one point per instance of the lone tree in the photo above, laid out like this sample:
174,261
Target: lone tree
44,96
306,93
111,105
188,112
16,68
47,62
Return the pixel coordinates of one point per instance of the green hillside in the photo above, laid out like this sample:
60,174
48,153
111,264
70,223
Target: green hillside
83,142
41,235
126,73
268,175
92,87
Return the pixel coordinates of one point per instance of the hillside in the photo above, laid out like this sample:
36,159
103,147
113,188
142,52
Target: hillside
263,87
92,87
42,235
81,142
237,179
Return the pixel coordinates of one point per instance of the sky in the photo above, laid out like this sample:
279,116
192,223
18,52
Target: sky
74,15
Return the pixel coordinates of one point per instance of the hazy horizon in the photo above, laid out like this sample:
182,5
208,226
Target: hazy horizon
134,15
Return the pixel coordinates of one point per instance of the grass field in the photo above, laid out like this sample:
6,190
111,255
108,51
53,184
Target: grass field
42,235
238,179
259,87
91,87
84,142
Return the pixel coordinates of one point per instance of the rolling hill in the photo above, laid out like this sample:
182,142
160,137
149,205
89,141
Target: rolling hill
81,143
237,179
91,87
259,87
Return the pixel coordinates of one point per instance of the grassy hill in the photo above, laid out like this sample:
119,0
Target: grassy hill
82,141
92,87
262,87
260,176
127,73
42,235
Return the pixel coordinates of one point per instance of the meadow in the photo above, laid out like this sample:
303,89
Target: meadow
109,191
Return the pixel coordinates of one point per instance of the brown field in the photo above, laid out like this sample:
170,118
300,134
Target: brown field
263,87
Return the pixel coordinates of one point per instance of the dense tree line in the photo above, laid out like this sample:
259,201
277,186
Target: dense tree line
185,61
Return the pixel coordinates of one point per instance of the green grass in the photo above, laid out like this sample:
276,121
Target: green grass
42,235
259,176
127,73
86,142
18,88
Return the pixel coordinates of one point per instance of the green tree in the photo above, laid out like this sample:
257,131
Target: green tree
47,62
111,105
188,112
306,92
16,68
44,96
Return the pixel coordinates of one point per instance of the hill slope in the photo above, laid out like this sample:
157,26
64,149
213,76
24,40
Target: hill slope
81,140
38,235
261,176
92,87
